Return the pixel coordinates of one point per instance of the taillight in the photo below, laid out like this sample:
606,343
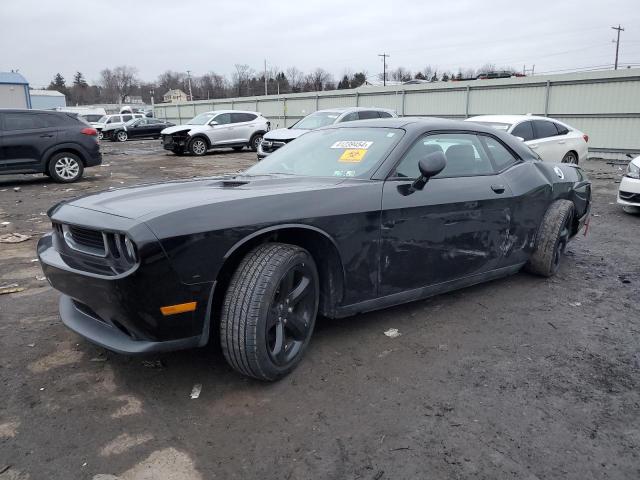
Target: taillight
89,131
586,137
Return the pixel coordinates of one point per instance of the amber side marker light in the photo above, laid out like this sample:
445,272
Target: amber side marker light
179,308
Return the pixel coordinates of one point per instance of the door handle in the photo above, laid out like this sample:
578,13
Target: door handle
561,142
498,188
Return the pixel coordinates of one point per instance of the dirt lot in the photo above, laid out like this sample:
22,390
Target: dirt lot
519,378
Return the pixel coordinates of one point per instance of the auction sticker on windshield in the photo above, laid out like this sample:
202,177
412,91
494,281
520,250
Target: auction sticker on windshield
353,155
352,144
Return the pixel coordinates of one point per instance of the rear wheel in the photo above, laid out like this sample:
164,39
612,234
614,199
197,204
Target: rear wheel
122,136
65,167
100,135
269,311
256,139
570,157
198,146
552,239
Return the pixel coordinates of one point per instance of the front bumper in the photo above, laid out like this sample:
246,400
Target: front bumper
261,153
122,312
629,192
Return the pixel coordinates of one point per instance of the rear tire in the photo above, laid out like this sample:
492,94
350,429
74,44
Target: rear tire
65,167
553,236
570,157
198,146
269,311
121,136
256,138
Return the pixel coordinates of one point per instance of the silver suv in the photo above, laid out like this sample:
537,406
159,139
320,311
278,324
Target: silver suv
277,138
217,129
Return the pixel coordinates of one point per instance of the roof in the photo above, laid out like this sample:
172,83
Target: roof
13,78
215,112
175,90
505,118
46,93
353,109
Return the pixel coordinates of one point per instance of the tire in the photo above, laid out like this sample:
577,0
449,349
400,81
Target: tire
631,209
256,138
121,136
100,135
570,157
553,236
198,146
237,149
260,336
65,167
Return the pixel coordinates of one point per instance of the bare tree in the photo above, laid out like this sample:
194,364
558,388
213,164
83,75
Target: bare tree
119,82
486,68
241,77
295,78
317,80
401,74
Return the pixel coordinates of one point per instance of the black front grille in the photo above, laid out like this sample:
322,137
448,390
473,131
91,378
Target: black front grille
630,197
87,238
271,146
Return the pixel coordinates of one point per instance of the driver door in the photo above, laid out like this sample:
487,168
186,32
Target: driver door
222,132
455,227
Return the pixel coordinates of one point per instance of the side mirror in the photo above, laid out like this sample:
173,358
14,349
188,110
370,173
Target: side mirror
429,166
213,123
519,138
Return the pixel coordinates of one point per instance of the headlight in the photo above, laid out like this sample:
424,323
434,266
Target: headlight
633,171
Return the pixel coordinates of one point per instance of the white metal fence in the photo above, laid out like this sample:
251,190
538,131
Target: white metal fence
605,105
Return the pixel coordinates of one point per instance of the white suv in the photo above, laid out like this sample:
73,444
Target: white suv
108,123
221,128
551,139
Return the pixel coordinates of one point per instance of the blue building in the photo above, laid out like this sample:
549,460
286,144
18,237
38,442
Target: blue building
14,91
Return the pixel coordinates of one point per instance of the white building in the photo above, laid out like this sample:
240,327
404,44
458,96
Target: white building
174,96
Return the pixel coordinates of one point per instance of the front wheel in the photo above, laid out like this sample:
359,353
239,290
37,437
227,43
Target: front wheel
122,136
269,311
255,141
65,167
553,235
198,147
570,157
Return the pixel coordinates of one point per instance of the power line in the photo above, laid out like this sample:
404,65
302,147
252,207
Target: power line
619,29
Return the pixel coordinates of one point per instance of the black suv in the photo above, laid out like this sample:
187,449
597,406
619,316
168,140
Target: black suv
58,144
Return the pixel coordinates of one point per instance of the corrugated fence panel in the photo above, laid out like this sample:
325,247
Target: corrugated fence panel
445,103
507,100
612,97
611,133
271,108
299,107
342,101
240,105
388,100
203,107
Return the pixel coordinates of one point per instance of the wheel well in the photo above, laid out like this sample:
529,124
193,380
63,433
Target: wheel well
202,136
62,150
259,132
323,251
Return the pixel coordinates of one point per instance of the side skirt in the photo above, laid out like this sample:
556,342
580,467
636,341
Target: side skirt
425,292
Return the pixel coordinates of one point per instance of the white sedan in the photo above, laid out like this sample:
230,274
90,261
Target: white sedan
629,192
551,139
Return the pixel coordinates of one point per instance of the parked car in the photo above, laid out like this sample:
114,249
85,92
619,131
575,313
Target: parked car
217,129
139,128
108,123
58,144
629,191
551,139
346,219
280,137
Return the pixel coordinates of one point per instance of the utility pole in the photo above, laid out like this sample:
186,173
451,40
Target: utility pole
384,67
265,77
619,29
189,77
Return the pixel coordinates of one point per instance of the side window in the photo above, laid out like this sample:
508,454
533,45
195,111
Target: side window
384,114
242,117
545,129
126,118
502,158
49,120
350,117
115,119
223,118
367,115
523,130
562,130
22,121
463,151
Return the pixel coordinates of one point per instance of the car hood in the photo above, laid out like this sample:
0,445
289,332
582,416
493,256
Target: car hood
284,134
145,202
636,161
181,128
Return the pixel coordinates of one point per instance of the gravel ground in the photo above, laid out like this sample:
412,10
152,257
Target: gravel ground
522,377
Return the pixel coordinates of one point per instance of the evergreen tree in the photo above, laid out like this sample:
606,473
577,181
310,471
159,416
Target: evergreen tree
58,83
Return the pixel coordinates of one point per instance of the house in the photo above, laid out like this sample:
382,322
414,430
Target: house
134,99
47,99
173,96
14,91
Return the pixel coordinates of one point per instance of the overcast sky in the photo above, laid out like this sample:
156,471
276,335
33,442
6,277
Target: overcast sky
41,38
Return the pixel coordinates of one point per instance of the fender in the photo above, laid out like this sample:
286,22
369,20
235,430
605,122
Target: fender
60,147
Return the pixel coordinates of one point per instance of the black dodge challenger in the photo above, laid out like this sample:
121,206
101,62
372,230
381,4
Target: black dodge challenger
344,220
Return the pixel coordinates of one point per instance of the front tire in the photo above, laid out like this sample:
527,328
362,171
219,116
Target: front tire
269,311
121,136
255,140
65,167
100,135
198,147
553,236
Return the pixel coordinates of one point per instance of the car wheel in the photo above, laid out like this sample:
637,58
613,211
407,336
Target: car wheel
269,311
122,136
198,146
256,139
570,157
65,167
237,149
100,135
552,239
631,209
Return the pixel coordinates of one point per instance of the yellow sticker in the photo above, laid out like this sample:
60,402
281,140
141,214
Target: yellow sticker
352,155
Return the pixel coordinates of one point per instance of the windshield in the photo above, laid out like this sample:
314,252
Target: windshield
336,152
497,125
201,119
103,119
317,120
